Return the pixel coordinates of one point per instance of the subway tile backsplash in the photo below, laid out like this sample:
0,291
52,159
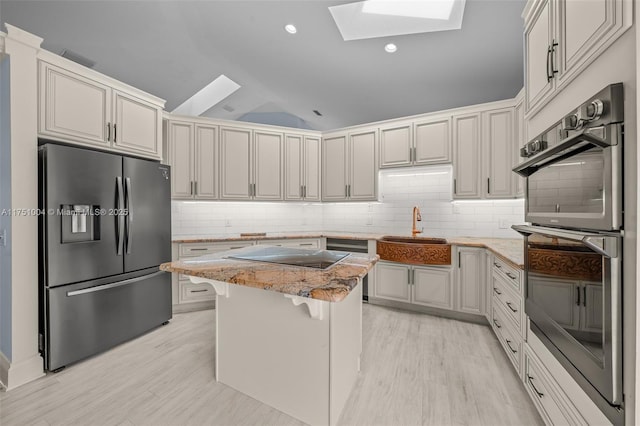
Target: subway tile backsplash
400,190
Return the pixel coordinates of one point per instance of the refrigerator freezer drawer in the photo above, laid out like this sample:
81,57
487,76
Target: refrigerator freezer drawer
88,318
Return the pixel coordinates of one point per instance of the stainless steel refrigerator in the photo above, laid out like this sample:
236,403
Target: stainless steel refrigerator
105,227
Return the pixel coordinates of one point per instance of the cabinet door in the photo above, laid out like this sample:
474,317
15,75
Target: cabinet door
433,142
268,155
293,167
520,135
235,161
311,168
73,107
180,158
584,29
466,162
392,282
471,280
363,182
206,162
433,287
137,126
396,146
334,168
497,127
537,41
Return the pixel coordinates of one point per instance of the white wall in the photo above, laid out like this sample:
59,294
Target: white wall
429,188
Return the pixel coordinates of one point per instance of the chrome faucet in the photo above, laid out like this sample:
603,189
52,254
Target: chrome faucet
417,217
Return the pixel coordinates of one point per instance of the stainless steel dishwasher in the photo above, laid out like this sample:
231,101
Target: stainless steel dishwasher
352,246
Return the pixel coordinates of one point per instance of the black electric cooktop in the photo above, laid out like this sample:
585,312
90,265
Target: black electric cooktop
317,259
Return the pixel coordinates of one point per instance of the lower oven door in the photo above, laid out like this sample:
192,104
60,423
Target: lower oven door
573,299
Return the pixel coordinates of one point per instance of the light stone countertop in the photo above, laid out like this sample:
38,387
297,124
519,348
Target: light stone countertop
509,249
332,284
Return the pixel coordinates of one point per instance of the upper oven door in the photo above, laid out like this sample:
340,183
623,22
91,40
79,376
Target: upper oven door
573,297
577,183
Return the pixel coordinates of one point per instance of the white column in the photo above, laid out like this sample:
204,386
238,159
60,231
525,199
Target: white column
20,361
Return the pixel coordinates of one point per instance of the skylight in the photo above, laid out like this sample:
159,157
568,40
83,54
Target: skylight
384,18
208,96
430,9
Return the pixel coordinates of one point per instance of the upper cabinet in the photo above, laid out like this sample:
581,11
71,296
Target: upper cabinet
563,37
250,164
193,156
349,166
497,141
78,106
466,156
426,141
302,167
519,141
483,154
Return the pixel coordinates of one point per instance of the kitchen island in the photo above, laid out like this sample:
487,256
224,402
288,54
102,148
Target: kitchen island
288,336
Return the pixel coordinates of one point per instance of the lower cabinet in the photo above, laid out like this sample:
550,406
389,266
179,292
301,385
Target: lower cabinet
471,280
299,243
188,296
419,285
550,400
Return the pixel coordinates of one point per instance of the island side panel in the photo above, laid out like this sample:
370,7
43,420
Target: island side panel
346,348
274,352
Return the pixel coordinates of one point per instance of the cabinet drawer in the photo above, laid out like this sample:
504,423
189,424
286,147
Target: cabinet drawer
546,395
511,274
191,292
509,339
300,243
199,249
504,296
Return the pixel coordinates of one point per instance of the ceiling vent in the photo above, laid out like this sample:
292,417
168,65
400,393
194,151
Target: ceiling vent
78,58
228,108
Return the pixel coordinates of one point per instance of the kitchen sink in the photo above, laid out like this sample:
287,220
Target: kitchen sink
414,250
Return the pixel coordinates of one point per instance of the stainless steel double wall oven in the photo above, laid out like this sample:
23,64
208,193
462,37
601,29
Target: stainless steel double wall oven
573,247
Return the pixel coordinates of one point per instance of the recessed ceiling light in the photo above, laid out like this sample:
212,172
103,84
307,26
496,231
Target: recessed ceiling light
390,48
290,28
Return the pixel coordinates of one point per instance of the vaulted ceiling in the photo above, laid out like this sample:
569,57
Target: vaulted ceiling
172,49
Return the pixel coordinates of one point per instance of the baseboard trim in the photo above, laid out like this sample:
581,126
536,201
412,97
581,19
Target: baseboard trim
13,375
460,316
195,306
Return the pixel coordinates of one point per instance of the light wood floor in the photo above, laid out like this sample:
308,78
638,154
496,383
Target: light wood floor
416,370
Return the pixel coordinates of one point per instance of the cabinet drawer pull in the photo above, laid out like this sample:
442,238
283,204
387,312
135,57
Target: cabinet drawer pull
199,249
497,323
108,131
306,244
115,133
510,275
509,345
497,265
496,291
238,247
530,379
199,291
511,307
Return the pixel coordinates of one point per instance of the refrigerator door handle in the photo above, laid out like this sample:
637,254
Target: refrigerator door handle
129,207
120,216
113,285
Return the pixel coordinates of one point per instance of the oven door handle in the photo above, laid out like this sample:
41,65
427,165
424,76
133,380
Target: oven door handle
567,148
605,245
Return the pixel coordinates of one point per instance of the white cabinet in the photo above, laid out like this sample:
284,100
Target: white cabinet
78,107
421,142
471,280
497,138
250,164
302,167
193,156
189,296
483,154
562,37
349,166
420,285
310,243
466,156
